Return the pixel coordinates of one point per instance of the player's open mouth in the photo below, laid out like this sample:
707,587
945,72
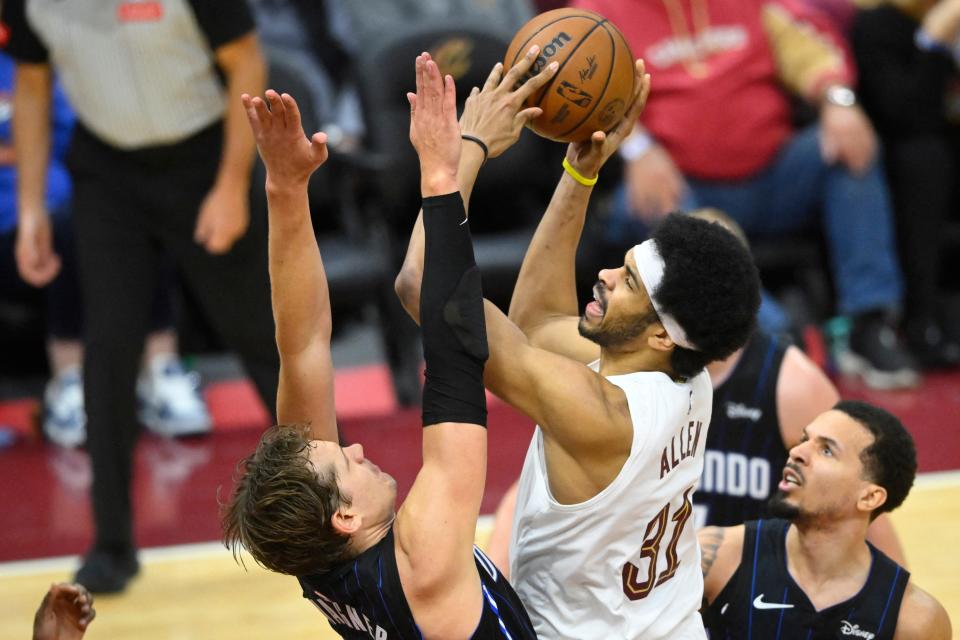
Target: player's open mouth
597,308
790,479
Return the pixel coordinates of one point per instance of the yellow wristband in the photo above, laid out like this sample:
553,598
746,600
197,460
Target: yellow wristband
587,182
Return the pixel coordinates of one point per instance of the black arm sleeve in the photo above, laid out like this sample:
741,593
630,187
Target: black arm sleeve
23,45
223,21
451,316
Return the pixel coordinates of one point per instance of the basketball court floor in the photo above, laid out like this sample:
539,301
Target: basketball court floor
191,588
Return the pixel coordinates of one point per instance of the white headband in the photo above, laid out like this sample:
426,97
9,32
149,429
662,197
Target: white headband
650,267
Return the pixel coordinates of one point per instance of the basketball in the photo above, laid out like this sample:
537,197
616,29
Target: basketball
595,82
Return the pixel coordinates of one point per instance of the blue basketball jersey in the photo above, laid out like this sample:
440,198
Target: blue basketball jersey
745,452
363,598
762,602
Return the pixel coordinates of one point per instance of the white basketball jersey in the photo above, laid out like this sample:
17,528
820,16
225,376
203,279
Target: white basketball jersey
625,563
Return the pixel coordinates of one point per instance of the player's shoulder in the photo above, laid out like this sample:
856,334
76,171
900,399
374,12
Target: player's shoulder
922,617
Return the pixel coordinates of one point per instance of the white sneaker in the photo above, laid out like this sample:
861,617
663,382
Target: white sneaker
169,399
64,419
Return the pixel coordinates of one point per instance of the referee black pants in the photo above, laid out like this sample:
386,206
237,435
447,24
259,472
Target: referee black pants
131,208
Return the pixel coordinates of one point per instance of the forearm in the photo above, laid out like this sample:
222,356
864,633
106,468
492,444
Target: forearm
246,74
31,135
547,283
301,300
408,281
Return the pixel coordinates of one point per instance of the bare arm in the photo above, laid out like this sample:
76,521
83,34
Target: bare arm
245,70
720,551
301,301
803,393
544,303
31,135
37,262
922,617
225,213
495,116
435,526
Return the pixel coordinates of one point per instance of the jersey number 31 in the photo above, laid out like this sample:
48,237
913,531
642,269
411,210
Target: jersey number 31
632,586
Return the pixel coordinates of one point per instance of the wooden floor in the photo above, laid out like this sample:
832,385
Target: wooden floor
199,593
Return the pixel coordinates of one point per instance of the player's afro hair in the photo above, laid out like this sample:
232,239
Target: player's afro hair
710,286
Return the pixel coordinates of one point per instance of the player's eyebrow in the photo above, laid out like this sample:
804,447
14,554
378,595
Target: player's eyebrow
830,442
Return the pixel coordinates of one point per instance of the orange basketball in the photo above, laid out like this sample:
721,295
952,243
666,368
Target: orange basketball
593,86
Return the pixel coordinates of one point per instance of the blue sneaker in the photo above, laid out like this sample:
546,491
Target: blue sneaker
169,399
64,418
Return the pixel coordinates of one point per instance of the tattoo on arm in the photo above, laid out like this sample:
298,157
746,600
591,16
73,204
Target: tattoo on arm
710,540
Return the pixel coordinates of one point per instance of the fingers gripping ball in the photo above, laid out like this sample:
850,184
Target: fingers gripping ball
595,82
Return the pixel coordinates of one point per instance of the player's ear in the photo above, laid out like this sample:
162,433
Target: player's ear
872,497
345,522
657,338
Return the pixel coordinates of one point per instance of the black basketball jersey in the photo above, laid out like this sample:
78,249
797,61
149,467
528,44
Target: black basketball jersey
762,602
745,453
363,598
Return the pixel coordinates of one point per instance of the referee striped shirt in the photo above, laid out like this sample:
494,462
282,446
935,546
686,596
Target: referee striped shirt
138,73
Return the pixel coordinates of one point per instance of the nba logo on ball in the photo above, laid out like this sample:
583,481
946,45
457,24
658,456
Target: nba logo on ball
595,81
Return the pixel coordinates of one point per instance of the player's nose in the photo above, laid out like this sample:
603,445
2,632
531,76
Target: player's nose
355,451
607,277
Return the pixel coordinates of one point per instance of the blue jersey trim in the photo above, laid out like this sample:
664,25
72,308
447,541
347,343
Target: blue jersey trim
886,607
764,370
782,611
753,581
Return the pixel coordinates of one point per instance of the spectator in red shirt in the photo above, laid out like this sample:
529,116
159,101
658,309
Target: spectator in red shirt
718,132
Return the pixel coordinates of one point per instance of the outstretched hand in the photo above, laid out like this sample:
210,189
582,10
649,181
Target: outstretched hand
64,614
290,158
434,130
587,157
495,114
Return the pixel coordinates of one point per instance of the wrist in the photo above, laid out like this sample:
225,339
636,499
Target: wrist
438,183
32,212
838,95
587,179
636,146
285,187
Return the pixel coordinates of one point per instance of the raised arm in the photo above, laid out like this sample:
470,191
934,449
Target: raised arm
301,300
435,526
544,304
495,117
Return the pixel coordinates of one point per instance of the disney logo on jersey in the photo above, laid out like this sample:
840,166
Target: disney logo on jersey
737,411
850,629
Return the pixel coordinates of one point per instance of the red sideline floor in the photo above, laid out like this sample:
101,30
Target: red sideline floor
43,490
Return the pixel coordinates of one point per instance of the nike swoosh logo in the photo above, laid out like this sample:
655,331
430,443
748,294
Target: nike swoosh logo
760,604
723,609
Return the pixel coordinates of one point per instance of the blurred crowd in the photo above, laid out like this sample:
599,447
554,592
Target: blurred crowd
130,195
